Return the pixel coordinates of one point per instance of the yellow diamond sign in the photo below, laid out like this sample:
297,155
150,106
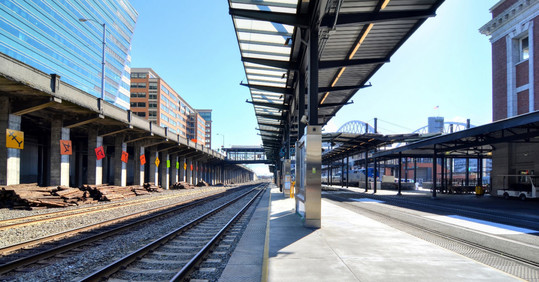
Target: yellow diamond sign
14,139
157,161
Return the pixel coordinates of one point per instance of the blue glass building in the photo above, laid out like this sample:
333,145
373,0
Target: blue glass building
48,35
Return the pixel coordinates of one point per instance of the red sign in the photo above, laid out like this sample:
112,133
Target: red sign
125,156
65,147
99,153
191,166
142,159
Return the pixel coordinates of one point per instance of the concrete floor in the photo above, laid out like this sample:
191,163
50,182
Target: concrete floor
351,247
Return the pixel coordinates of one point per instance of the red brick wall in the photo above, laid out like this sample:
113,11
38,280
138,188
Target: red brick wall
523,73
502,7
499,80
523,102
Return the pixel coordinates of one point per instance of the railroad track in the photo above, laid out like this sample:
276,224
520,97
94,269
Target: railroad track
175,255
511,263
100,231
56,215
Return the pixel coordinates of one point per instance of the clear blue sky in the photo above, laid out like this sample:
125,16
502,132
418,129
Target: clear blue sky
446,63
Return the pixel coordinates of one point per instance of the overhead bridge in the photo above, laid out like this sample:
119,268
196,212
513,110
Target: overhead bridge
246,155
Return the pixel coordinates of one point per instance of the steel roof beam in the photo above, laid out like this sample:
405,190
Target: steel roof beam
273,89
346,63
268,116
271,63
269,105
270,125
52,101
275,17
364,18
325,105
269,130
341,88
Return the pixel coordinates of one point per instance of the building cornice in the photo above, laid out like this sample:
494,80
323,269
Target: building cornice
517,9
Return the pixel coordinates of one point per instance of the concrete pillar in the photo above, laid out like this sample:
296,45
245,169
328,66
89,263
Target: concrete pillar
181,172
190,168
10,159
95,167
139,168
164,170
59,164
120,168
173,171
154,170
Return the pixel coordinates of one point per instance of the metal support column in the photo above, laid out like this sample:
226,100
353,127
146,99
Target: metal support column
400,172
434,172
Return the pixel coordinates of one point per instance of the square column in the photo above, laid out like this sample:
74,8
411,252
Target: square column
182,170
189,174
95,167
59,164
154,170
120,168
139,168
164,170
10,158
173,169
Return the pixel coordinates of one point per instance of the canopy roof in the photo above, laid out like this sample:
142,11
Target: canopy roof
356,37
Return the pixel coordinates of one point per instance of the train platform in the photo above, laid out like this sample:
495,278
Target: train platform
348,247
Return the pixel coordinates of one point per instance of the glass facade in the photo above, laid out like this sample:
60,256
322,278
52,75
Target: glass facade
48,35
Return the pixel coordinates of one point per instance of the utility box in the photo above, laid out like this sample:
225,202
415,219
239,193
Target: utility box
308,177
286,178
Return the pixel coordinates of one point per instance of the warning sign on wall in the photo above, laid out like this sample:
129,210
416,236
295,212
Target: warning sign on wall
157,161
125,156
142,159
65,147
14,139
99,153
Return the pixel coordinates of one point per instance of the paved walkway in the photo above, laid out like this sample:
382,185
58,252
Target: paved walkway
351,247
348,247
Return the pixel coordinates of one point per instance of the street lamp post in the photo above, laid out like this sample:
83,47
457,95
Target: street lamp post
222,147
100,101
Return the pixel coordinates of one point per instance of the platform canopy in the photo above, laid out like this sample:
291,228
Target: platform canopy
344,145
355,38
478,141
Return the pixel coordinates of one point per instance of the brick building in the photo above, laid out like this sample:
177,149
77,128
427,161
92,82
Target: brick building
514,34
154,99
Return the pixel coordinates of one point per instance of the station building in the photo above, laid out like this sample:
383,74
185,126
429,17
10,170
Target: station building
50,37
514,34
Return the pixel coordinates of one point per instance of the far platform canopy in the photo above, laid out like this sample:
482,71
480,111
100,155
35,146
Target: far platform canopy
356,37
475,142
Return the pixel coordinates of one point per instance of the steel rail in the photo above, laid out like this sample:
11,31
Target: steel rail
123,262
163,211
5,224
197,259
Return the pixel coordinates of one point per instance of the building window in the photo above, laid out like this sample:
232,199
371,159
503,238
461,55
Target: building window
141,114
152,113
153,85
138,105
524,48
138,85
152,105
138,95
153,96
139,75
